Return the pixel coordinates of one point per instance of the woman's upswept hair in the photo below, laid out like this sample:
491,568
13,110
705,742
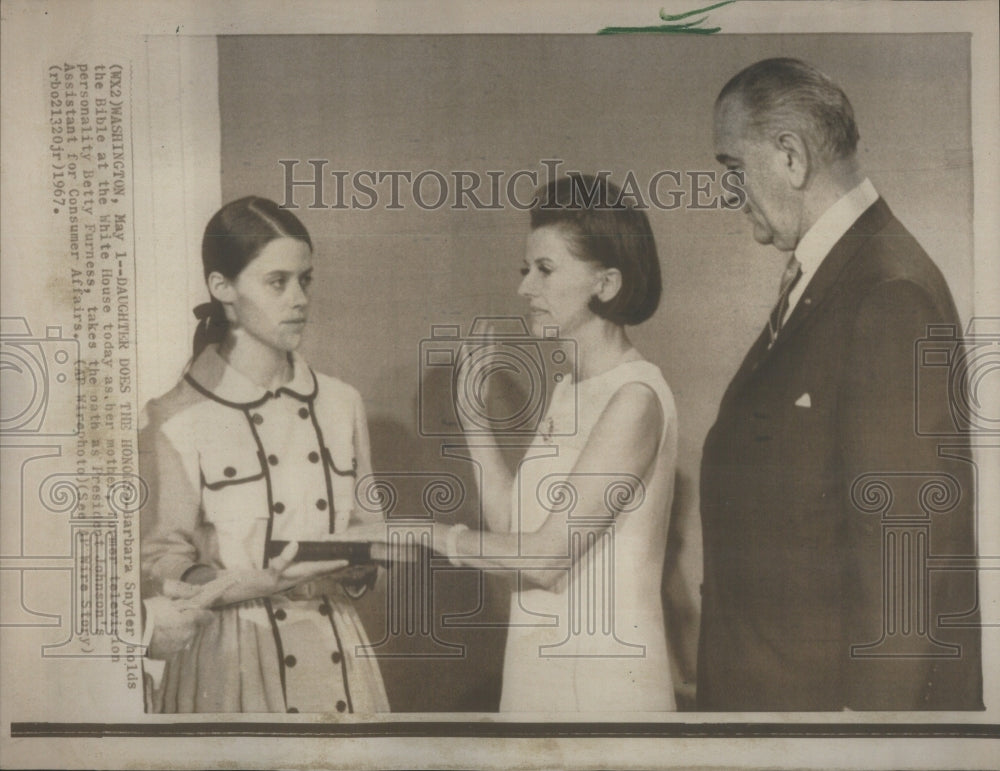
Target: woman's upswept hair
606,231
234,236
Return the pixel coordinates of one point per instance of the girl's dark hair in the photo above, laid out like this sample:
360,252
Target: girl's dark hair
606,231
233,238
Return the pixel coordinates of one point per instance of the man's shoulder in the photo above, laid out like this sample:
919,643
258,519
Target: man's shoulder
893,254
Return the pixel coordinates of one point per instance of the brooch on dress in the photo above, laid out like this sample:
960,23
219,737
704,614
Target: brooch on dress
548,429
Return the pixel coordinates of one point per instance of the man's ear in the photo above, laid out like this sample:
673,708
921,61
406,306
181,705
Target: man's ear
221,288
796,158
610,284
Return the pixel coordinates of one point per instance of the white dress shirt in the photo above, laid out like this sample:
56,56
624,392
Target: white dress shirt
816,244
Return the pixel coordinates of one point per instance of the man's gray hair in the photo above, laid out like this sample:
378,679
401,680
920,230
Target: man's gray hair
788,94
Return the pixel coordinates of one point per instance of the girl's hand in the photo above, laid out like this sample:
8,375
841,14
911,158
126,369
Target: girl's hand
282,573
174,624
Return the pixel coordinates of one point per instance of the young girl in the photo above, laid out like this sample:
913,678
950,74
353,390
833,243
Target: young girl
252,447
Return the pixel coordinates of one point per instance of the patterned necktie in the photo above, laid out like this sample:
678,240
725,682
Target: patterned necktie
791,276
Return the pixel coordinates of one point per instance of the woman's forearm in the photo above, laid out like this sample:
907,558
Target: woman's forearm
495,484
625,439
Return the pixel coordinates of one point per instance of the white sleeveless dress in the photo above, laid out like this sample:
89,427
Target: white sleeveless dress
597,641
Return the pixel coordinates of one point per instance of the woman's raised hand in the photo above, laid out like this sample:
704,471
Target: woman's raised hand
478,361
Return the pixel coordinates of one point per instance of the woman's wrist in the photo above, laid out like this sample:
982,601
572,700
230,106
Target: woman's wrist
439,538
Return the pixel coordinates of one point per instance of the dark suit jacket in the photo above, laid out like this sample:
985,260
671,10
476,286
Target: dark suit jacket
796,553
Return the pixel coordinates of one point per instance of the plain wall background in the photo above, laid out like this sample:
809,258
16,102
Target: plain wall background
505,103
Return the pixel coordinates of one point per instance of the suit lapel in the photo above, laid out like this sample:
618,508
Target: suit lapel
872,221
822,286
824,282
750,363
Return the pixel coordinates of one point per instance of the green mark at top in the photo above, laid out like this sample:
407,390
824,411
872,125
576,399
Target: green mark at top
687,28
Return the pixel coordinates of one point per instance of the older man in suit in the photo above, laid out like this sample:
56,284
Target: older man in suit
819,532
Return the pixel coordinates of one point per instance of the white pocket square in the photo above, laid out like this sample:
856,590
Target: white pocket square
804,401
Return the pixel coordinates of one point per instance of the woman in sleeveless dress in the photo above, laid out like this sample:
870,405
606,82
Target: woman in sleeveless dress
251,447
581,526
